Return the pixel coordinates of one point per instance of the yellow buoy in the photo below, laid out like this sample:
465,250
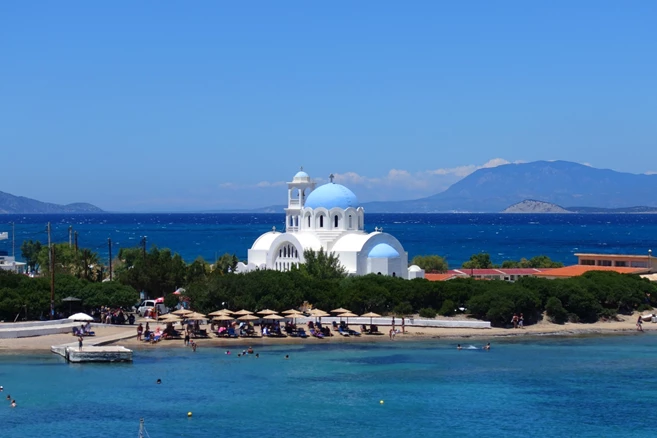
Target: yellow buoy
189,414
381,402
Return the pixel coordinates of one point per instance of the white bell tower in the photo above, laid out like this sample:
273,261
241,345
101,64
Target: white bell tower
297,191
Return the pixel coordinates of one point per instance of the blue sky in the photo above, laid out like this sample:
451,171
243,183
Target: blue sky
179,106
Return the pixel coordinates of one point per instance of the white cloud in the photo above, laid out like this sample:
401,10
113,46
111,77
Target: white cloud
651,172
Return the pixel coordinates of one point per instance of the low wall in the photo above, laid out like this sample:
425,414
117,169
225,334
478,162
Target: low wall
36,328
408,322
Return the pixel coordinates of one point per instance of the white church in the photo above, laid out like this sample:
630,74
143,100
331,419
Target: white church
328,217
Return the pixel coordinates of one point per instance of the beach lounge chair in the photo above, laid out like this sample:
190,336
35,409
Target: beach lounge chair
363,329
302,333
374,330
353,332
343,332
316,334
231,333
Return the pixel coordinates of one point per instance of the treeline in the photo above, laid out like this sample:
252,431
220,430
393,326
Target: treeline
29,298
322,282
434,263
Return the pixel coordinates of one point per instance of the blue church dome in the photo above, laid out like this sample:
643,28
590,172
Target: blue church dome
331,195
383,251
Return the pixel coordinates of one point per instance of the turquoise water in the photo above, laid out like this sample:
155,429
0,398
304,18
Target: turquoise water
530,387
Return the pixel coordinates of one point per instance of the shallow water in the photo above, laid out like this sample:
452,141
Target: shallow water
544,386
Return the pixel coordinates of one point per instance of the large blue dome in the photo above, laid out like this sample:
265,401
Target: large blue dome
331,195
383,251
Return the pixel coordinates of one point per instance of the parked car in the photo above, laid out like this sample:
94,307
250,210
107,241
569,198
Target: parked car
149,305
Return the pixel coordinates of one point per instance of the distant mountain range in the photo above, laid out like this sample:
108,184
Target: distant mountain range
10,204
557,182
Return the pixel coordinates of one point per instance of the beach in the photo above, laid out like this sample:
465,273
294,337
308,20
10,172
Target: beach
626,324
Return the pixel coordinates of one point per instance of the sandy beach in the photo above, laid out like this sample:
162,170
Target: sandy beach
625,325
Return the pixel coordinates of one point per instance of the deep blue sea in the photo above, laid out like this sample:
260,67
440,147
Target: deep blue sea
557,387
455,236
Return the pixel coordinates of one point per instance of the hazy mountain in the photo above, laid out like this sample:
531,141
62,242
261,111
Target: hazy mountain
22,205
557,182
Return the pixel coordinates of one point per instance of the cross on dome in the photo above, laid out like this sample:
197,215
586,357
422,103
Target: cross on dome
331,176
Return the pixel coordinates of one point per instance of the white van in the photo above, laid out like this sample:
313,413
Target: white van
150,305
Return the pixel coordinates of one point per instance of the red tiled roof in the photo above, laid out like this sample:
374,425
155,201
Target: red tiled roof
439,277
576,270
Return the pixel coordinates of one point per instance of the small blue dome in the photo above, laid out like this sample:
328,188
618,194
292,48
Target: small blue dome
383,251
301,174
331,195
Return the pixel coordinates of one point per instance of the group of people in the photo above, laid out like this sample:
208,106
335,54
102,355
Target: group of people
114,316
9,399
518,321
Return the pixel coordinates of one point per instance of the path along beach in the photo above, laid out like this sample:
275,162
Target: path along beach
624,325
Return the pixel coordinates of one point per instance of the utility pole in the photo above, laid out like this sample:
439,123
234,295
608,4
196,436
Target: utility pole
49,245
51,253
109,244
76,243
70,235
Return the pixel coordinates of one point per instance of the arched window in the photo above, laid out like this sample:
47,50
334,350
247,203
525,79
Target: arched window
280,253
335,221
284,252
394,275
321,221
308,221
350,225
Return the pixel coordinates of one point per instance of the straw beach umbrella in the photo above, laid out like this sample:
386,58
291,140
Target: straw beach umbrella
220,312
194,316
290,311
340,310
273,316
182,312
248,318
243,312
169,318
294,315
347,315
371,315
266,312
222,318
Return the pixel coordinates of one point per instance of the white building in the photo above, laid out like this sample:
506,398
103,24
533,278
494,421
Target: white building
7,262
328,217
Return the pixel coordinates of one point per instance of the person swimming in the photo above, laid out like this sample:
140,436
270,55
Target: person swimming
287,356
458,347
159,381
250,350
257,355
13,403
486,347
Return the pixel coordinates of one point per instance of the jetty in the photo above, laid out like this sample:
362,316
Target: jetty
96,349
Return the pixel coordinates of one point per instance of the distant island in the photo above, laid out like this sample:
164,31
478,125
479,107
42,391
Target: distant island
11,204
534,206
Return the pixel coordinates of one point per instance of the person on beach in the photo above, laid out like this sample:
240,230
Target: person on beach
392,333
514,320
403,325
639,324
80,339
521,321
186,338
193,345
140,331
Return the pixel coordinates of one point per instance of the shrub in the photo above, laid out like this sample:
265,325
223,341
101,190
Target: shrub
555,310
644,307
448,308
428,312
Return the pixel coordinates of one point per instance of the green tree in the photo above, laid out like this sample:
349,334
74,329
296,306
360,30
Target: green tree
555,311
226,264
448,308
430,263
479,261
30,252
322,265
